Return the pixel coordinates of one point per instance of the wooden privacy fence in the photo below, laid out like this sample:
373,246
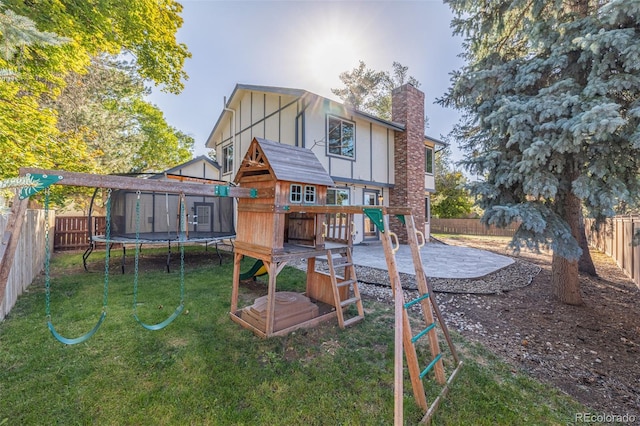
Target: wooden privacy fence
615,238
470,227
72,233
28,260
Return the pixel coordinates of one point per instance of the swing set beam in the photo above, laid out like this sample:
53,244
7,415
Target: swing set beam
152,185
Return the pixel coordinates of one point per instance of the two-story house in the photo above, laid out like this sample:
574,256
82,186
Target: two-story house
372,161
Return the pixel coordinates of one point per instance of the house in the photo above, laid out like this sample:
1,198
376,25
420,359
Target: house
371,161
194,170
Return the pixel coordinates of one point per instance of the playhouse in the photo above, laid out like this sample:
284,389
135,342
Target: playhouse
292,223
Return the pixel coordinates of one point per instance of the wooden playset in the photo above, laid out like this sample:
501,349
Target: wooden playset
282,216
278,229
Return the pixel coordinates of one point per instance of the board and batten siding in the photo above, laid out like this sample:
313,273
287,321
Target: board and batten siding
29,257
373,147
275,116
198,169
257,114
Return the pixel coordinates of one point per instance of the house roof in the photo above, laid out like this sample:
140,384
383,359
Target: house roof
435,141
284,162
299,93
193,161
173,170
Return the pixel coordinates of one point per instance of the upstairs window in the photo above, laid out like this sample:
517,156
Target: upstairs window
227,159
341,137
295,193
428,159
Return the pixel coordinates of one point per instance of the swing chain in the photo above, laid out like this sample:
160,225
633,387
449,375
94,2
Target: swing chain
47,258
107,237
137,255
182,226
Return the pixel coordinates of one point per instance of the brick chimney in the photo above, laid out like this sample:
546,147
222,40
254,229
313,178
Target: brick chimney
407,107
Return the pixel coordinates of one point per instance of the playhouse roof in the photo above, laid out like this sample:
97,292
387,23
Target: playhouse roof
283,162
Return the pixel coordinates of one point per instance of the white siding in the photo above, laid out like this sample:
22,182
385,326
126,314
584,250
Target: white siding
429,182
200,169
380,159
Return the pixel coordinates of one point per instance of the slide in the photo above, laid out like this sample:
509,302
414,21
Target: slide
257,270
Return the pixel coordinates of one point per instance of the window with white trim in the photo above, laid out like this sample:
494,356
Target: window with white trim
341,137
227,159
309,194
428,160
295,193
338,196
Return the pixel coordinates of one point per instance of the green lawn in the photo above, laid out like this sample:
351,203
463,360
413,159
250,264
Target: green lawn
205,369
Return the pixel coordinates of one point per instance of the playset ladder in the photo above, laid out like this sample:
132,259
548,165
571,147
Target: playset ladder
431,318
349,281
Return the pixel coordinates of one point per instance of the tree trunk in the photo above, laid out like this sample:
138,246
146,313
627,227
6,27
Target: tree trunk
585,264
564,272
565,280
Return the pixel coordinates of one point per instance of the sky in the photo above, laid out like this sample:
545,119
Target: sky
306,45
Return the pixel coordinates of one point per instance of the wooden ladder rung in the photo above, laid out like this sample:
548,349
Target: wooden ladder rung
423,332
414,301
345,283
430,366
350,301
353,320
342,265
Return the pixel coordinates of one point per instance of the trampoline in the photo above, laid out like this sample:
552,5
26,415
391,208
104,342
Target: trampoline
210,221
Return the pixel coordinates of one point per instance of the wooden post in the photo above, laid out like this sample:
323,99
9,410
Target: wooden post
398,376
237,257
271,297
402,329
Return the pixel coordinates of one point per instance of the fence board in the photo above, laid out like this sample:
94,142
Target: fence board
71,232
615,239
28,260
470,227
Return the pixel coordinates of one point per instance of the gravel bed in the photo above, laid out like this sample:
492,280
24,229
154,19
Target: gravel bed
517,275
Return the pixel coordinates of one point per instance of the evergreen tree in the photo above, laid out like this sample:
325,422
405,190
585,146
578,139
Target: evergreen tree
551,100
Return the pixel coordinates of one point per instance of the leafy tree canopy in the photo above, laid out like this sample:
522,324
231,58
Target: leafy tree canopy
67,103
144,29
105,107
551,96
370,91
451,199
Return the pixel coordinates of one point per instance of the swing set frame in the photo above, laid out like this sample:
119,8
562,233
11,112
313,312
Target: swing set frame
44,178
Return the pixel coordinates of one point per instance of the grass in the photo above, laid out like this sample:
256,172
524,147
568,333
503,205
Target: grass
205,369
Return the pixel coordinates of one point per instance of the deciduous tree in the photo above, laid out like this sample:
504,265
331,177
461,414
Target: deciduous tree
451,198
53,115
370,91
